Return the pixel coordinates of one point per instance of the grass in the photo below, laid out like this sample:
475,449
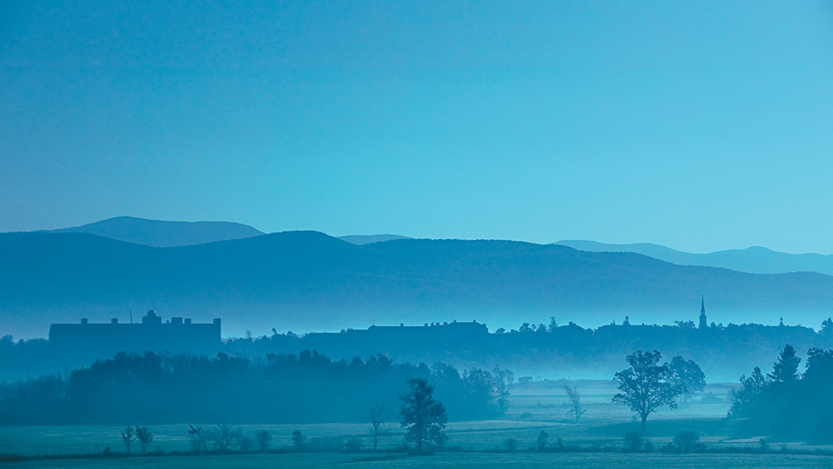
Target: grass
535,406
443,460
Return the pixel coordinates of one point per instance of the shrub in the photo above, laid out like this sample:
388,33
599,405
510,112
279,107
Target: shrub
686,442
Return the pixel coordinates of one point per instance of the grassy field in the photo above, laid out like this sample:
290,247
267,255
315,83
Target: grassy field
444,460
535,407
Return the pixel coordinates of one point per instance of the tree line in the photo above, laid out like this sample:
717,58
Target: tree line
304,388
785,402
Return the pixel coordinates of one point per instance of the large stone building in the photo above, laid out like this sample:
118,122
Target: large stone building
176,335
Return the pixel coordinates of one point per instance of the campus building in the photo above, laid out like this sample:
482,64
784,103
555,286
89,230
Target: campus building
104,340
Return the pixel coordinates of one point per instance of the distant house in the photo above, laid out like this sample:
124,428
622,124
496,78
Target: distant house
103,340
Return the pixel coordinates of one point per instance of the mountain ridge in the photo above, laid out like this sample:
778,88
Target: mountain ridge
159,233
306,280
754,259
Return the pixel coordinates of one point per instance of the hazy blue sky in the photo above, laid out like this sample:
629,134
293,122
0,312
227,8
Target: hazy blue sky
698,125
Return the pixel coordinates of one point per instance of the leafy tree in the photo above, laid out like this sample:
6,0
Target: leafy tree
245,443
746,401
633,441
553,324
543,440
575,402
503,380
299,440
646,385
145,438
785,370
424,417
687,375
686,442
827,328
263,439
128,435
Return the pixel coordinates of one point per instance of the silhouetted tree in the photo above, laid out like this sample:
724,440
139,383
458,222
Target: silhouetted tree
646,385
424,417
785,370
263,439
245,443
223,435
503,380
553,325
686,374
299,440
633,441
686,442
378,418
827,328
543,440
145,438
575,402
746,401
127,436
199,438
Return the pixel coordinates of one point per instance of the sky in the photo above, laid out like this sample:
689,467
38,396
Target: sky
697,125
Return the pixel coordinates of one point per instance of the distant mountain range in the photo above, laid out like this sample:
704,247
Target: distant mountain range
164,233
157,233
755,259
361,240
310,281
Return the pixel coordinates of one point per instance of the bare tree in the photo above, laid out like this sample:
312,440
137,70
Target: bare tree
145,437
263,439
223,435
575,402
199,438
378,419
127,436
646,385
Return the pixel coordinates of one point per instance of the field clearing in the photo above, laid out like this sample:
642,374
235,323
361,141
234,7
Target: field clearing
444,460
535,406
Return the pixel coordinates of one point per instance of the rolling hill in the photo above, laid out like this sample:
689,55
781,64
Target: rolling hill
310,281
164,233
755,259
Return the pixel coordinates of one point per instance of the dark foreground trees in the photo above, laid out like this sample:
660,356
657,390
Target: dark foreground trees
423,416
646,385
303,388
785,403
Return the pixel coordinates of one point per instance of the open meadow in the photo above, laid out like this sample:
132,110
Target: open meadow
535,407
446,460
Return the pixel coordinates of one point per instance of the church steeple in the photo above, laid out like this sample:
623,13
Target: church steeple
703,323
